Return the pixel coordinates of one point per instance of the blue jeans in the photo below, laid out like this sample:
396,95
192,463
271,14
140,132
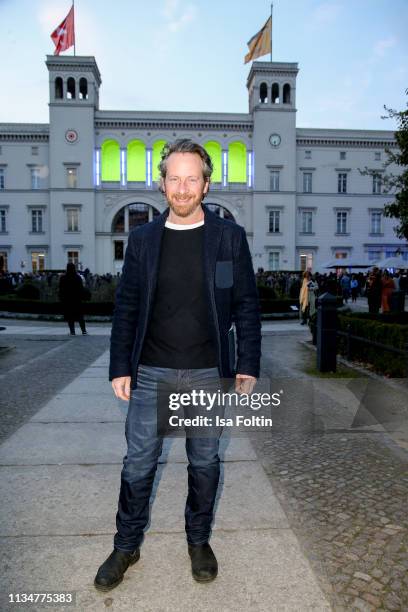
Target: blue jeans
144,447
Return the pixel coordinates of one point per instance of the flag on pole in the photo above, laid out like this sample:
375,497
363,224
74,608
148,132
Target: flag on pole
260,43
63,36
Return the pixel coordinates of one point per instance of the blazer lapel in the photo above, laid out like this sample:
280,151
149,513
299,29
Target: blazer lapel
212,237
153,245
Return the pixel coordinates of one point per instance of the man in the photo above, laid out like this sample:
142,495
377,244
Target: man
71,293
187,275
345,286
373,290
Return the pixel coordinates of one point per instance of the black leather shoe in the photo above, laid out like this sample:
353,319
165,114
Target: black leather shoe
204,566
111,572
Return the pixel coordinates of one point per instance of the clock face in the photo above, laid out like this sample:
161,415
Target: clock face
71,136
275,140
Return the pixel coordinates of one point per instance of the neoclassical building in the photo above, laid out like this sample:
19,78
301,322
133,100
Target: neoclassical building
72,189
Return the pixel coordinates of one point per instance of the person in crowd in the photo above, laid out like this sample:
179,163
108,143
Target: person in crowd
388,287
304,297
374,291
354,288
396,279
71,293
345,286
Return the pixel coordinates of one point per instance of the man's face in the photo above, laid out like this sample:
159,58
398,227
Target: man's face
184,185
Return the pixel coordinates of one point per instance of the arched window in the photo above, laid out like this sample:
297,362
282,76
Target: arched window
83,88
286,93
263,93
59,94
132,215
275,93
71,88
139,214
221,211
118,223
110,161
136,161
214,150
237,163
156,158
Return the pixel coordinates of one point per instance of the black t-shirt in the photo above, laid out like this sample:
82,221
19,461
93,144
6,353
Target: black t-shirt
178,334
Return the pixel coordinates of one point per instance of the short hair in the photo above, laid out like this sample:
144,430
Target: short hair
185,145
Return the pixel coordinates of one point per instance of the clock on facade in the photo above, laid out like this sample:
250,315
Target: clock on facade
275,140
71,136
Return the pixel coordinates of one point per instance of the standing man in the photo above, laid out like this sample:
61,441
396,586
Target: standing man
373,291
187,276
71,292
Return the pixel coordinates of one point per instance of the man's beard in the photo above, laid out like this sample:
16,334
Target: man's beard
184,206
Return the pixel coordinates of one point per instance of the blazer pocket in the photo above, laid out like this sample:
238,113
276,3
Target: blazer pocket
224,274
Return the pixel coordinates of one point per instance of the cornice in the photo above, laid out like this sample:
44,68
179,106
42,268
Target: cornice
74,63
343,142
32,132
273,69
145,124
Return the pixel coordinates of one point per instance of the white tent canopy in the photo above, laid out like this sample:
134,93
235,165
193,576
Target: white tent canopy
345,263
392,262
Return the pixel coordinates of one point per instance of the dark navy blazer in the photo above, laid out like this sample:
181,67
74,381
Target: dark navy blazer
230,287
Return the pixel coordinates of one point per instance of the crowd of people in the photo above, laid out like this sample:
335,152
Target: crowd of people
375,285
49,280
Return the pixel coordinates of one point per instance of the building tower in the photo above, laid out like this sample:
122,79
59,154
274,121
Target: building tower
74,83
272,104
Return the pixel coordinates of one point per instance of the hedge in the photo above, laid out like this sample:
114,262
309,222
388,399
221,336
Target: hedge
389,329
13,304
39,307
268,306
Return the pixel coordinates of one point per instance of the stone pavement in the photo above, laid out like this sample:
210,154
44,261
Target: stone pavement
311,515
60,477
337,457
361,304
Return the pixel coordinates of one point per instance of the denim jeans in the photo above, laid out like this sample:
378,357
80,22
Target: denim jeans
144,447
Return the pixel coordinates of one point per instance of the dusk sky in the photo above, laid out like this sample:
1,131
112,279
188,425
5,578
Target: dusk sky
188,55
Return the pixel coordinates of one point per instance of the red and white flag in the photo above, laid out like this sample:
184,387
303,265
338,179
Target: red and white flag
63,36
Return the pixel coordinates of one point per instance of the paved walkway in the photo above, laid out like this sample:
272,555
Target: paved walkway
103,329
337,458
54,328
60,476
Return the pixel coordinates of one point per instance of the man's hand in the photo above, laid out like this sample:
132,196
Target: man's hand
121,387
244,383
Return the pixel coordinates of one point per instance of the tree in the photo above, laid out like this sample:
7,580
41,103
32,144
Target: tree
397,184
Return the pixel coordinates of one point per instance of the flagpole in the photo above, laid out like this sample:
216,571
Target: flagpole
73,10
271,28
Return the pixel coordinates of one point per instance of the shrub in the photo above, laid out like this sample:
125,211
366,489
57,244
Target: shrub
383,330
270,305
28,291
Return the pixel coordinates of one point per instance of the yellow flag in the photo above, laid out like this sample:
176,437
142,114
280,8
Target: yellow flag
260,43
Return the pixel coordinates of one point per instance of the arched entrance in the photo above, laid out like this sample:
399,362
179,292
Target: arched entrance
222,212
128,217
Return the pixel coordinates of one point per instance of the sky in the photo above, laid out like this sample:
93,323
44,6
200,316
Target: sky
188,55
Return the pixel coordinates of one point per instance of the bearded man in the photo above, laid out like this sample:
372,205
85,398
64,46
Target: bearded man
187,276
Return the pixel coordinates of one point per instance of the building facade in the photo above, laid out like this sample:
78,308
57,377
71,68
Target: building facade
72,189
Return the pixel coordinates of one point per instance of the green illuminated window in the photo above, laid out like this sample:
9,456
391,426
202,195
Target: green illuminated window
136,161
214,151
157,149
237,166
110,154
